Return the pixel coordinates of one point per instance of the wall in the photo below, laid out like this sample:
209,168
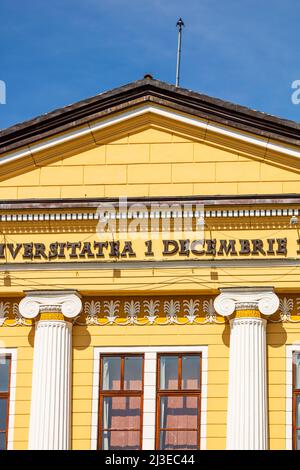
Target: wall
154,162
151,161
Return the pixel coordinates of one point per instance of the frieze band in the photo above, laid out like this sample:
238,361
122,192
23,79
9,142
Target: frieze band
125,249
150,311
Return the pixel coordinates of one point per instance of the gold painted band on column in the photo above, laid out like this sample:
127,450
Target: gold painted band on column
52,316
247,313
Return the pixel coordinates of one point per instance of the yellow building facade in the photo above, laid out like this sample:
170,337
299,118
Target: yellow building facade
150,254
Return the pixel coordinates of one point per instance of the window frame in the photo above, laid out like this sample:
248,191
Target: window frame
179,392
7,396
118,393
150,366
296,392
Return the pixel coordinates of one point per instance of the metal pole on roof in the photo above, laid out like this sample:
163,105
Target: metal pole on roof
179,25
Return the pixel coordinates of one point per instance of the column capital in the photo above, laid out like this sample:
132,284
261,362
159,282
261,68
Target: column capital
260,299
66,303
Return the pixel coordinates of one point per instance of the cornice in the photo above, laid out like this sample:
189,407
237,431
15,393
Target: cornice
160,207
62,216
156,92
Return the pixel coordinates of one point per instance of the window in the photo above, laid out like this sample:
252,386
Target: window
178,401
5,365
296,400
121,402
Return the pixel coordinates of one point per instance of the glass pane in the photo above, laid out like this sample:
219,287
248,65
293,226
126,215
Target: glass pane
4,373
190,372
176,440
297,365
3,413
179,412
111,373
115,440
298,411
121,413
133,373
169,372
2,440
297,440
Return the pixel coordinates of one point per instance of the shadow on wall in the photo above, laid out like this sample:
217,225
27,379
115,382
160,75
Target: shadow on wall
80,341
226,334
81,337
31,335
276,338
276,335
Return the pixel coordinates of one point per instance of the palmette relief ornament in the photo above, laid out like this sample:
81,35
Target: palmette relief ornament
132,309
92,311
151,308
32,305
211,314
19,320
111,307
4,311
191,307
146,312
5,308
171,309
286,309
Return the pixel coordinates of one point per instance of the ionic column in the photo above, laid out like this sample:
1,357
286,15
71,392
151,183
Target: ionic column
51,381
247,416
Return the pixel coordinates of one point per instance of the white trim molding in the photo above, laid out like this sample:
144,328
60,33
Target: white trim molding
141,110
290,349
12,395
158,214
150,365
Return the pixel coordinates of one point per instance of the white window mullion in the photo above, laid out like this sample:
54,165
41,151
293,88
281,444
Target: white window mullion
150,361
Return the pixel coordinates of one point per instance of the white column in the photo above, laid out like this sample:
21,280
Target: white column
247,417
50,411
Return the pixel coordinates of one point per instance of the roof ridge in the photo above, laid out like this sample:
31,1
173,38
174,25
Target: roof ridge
125,96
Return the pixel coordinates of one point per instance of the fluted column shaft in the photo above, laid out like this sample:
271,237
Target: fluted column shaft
51,386
247,423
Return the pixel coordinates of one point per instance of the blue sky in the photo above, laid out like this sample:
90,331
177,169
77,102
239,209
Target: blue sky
57,52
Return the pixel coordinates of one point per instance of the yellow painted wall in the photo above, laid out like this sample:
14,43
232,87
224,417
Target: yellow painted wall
279,336
21,338
153,161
